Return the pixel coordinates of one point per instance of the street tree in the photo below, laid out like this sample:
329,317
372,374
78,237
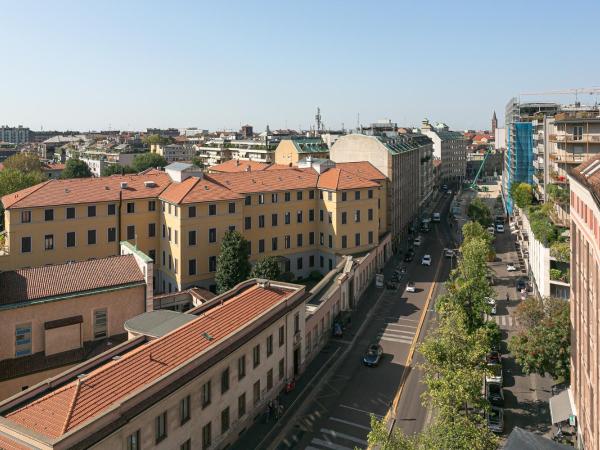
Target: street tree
145,161
266,268
233,265
12,180
25,162
522,194
76,168
457,433
380,438
543,345
478,211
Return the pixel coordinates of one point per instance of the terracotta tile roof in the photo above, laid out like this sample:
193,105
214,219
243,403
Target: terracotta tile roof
267,180
338,179
363,169
8,444
589,176
88,190
25,285
194,190
53,166
69,406
235,165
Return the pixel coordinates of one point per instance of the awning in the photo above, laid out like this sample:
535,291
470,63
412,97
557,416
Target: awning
560,407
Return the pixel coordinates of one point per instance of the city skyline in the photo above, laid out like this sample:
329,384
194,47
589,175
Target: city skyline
219,66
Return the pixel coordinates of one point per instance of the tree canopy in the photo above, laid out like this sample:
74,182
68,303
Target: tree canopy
12,180
145,161
233,265
25,162
156,139
266,268
478,211
76,168
116,169
543,345
522,194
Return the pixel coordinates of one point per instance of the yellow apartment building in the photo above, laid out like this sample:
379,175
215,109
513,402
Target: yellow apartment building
290,152
306,217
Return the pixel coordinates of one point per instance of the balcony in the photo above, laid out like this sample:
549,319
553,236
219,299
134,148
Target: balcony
586,138
569,158
558,179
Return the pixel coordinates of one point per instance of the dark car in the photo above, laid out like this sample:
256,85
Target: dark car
408,258
493,357
521,284
494,394
373,355
495,420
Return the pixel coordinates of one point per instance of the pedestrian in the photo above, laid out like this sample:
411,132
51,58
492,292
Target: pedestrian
507,298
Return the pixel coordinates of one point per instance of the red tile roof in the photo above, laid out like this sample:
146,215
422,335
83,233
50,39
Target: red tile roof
363,169
338,179
267,180
194,190
88,190
8,444
69,406
235,165
20,286
53,166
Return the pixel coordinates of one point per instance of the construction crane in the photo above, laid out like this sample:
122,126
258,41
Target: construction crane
575,91
473,184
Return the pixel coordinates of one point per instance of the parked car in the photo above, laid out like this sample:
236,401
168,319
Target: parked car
417,242
491,229
493,357
408,257
510,267
444,187
424,228
373,355
500,228
448,253
495,419
494,394
426,260
492,302
494,374
521,284
410,287
435,217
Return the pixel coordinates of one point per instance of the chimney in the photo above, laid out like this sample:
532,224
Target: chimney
248,168
123,185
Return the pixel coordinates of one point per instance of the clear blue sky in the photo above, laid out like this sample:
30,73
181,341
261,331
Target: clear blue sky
87,65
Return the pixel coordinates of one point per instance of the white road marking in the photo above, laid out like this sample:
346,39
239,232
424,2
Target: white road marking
347,437
361,410
399,325
330,445
402,318
389,339
347,422
399,332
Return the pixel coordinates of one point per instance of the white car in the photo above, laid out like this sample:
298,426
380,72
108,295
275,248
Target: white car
511,267
417,242
500,228
448,253
426,260
410,287
436,217
492,302
491,230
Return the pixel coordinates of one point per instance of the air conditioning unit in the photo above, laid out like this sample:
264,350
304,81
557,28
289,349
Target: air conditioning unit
123,185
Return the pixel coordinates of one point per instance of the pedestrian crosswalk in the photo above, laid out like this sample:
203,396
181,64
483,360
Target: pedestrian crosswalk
401,331
336,440
504,321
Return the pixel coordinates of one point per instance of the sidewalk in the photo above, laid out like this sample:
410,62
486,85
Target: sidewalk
261,433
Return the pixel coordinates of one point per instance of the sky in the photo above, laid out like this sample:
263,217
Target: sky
216,65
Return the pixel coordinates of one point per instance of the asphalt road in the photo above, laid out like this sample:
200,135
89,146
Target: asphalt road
338,417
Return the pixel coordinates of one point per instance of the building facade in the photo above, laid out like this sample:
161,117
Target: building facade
306,219
585,300
56,316
450,147
398,158
198,385
14,135
290,151
174,152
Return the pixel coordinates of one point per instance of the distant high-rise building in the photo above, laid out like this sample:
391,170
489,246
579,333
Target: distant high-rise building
494,123
247,132
14,135
451,148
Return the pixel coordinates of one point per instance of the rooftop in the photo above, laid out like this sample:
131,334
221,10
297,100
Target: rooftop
157,323
338,179
588,174
89,190
194,190
20,287
235,165
59,410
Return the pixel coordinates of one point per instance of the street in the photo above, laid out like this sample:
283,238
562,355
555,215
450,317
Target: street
338,417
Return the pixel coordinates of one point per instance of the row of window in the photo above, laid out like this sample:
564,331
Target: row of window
287,218
71,238
161,423
299,196
111,210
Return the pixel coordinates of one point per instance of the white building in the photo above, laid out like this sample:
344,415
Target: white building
451,148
